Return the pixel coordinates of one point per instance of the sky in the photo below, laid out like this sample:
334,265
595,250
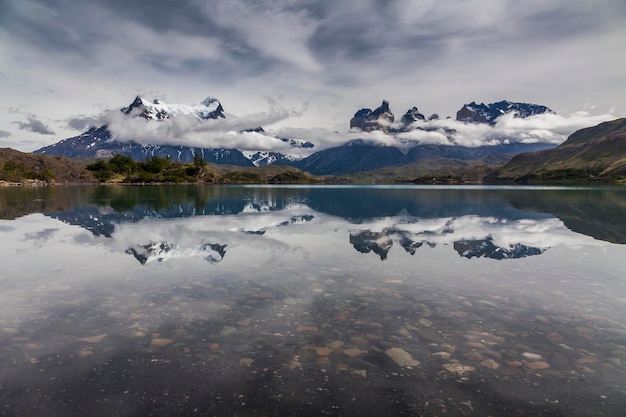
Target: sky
302,68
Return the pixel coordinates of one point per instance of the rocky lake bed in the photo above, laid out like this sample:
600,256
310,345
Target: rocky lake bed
282,311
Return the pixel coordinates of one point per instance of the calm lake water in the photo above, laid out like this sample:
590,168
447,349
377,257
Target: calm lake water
312,301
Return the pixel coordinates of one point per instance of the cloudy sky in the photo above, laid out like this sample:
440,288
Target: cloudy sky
308,65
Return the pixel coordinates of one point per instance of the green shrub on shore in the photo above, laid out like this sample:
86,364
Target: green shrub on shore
17,172
121,168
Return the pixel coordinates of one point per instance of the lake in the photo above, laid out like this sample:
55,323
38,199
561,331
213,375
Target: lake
312,301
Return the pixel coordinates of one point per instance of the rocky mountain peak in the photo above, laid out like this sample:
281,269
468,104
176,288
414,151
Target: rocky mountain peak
489,113
383,108
379,119
412,115
209,101
209,108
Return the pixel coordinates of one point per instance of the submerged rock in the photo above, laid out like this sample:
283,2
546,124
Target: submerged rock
93,339
532,356
537,365
158,342
401,357
458,368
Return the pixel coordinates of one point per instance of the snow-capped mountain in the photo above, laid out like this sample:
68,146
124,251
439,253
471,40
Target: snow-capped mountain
209,108
382,118
361,155
411,116
379,119
263,158
100,142
354,156
489,113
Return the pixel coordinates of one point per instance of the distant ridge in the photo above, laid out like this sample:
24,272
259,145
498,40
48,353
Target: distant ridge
359,156
597,152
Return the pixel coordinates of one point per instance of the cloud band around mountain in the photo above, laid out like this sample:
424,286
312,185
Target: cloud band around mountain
231,132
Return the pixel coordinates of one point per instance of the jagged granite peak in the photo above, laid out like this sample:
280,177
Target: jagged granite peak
209,108
489,113
383,108
368,120
412,115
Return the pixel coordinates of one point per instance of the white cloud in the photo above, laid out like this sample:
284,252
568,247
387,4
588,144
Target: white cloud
228,132
191,131
543,128
61,59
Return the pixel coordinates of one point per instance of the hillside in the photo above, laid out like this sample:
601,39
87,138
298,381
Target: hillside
17,166
594,153
271,174
432,170
360,156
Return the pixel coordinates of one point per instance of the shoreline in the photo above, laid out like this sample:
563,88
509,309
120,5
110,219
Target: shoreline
40,184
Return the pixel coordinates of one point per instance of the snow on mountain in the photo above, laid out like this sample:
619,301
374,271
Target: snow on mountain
489,113
123,135
209,108
367,120
375,139
411,116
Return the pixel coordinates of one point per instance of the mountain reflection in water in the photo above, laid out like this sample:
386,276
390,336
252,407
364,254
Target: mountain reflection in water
351,301
482,223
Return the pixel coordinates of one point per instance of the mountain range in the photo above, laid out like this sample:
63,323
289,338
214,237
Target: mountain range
354,156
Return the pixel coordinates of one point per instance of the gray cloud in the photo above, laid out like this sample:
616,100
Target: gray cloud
4,134
309,35
35,125
340,56
82,122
